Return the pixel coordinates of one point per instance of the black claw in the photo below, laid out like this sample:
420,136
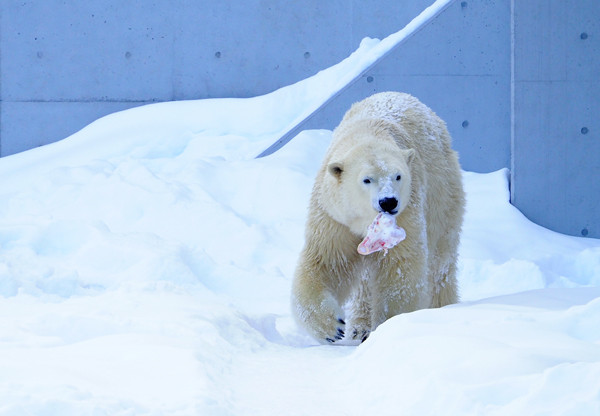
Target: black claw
354,334
341,331
364,338
330,340
341,321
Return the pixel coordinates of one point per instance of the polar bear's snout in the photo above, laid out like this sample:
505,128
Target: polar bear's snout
386,199
389,205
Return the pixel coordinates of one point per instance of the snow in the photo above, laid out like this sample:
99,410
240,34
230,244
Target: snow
146,265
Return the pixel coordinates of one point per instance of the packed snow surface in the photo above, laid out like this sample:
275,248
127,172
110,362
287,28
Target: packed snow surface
146,265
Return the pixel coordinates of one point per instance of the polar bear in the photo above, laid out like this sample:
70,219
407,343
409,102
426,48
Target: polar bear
390,154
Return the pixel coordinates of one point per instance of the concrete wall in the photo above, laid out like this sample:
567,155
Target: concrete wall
556,98
64,64
459,65
516,81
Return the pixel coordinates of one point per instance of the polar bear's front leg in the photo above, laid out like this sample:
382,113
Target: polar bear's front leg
317,310
401,287
321,316
360,326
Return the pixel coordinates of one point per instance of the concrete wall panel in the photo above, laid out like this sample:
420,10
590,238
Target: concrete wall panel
459,65
37,123
556,132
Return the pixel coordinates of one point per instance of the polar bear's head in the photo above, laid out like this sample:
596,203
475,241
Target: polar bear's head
365,181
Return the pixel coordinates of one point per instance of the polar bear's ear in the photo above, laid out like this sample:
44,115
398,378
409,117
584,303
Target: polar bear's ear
335,169
410,155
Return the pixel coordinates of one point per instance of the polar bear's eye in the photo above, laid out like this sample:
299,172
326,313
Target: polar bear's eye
398,177
367,180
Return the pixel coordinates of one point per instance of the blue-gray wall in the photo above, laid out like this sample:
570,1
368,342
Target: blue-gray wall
64,64
516,81
556,119
459,65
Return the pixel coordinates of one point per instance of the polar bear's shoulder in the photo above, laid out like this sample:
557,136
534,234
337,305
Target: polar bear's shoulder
389,106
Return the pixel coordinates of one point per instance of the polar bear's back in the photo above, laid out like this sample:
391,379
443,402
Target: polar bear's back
386,105
420,123
415,126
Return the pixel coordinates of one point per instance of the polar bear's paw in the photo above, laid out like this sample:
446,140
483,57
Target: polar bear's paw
339,332
360,334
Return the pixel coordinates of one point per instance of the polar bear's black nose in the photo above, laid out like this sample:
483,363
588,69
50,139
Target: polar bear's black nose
388,204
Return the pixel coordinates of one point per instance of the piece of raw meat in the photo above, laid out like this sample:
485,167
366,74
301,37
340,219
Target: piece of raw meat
382,234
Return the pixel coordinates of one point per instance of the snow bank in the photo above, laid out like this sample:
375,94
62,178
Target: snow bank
153,278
